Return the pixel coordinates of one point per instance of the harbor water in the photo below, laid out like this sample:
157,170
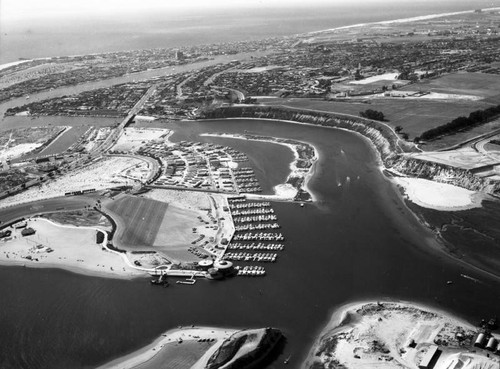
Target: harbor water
359,242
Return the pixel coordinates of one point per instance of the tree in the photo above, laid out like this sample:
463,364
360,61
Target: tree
372,114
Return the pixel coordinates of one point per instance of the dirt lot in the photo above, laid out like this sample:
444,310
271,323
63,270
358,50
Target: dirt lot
463,83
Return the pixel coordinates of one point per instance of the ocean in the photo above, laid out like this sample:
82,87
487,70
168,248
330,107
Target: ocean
56,36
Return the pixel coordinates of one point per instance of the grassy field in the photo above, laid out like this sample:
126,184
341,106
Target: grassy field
140,219
415,116
462,83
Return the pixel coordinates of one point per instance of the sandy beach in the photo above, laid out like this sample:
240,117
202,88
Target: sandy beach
439,196
170,341
7,65
66,247
393,335
395,21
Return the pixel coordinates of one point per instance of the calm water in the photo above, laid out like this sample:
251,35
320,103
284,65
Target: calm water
360,242
35,38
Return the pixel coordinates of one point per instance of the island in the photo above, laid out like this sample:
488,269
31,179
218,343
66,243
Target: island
401,334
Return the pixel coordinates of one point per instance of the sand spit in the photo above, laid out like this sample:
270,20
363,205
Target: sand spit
439,196
301,168
202,347
395,335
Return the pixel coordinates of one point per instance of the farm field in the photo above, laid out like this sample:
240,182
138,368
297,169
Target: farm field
138,220
415,116
463,83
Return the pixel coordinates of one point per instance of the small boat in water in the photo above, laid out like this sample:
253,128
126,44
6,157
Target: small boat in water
161,281
287,360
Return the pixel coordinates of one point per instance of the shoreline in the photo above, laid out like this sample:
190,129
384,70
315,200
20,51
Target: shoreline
282,191
476,198
395,21
52,251
441,244
339,324
172,336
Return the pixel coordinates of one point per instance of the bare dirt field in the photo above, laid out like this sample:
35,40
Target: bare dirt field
138,220
463,83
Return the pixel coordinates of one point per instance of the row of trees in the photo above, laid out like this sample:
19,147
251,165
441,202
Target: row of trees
461,123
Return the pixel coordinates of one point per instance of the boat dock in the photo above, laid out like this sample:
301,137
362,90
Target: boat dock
247,243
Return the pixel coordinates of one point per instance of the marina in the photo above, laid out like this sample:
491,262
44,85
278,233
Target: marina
246,256
396,256
256,246
249,236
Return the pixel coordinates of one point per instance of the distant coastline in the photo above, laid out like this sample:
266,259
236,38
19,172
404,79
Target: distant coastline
400,20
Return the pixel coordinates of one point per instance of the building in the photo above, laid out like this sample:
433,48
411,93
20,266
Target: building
480,340
430,358
492,344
